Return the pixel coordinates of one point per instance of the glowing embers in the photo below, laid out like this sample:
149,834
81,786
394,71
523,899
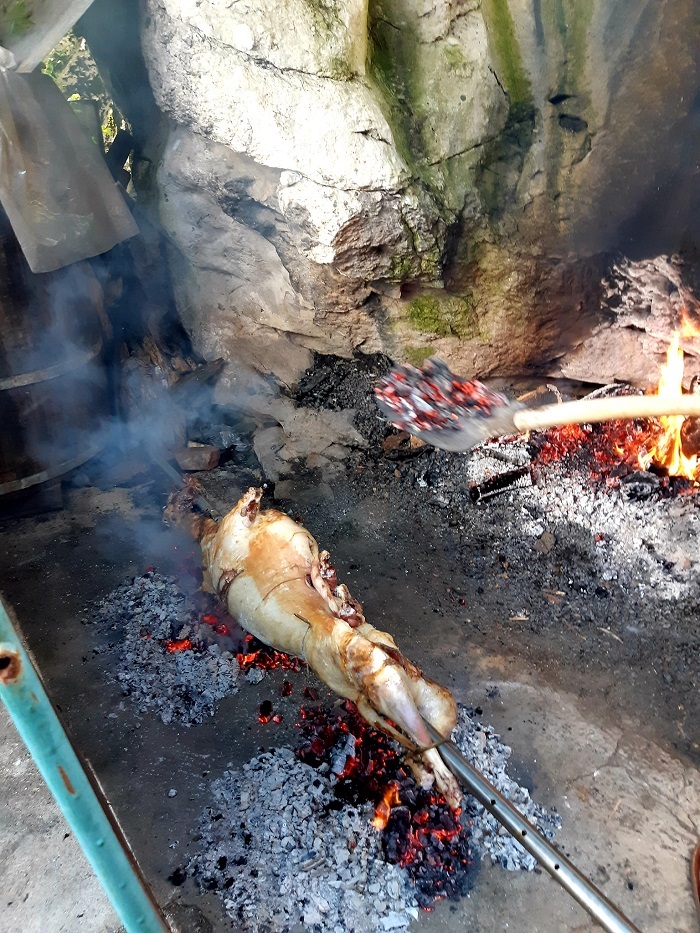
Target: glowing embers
215,626
178,644
433,398
199,640
419,830
267,713
221,628
260,655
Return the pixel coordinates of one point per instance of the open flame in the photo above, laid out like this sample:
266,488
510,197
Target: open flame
391,798
666,446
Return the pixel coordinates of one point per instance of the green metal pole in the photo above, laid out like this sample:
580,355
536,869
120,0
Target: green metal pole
100,837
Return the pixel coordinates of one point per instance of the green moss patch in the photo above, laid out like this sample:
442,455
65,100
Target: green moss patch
448,316
416,356
393,69
501,30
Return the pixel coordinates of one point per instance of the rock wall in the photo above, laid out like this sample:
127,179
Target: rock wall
417,176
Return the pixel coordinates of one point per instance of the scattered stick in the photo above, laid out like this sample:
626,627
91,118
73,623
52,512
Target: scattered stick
611,634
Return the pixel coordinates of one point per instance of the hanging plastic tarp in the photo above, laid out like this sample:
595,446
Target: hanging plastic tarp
55,187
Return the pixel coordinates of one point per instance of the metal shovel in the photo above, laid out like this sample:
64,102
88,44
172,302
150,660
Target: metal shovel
455,414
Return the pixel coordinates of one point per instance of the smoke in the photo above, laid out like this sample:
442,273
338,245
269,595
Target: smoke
86,382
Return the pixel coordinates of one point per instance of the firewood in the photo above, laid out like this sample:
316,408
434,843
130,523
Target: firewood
200,457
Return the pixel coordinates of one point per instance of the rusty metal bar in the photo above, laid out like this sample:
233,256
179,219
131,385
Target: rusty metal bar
88,816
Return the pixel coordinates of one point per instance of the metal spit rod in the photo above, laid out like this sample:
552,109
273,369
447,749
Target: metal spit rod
553,861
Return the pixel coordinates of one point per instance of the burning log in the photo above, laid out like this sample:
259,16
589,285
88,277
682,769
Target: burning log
690,438
268,570
662,454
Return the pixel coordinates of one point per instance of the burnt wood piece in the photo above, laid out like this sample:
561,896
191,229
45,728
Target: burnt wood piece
118,153
690,437
204,373
192,459
495,484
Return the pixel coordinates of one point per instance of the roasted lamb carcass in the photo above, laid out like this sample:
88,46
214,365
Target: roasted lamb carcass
268,570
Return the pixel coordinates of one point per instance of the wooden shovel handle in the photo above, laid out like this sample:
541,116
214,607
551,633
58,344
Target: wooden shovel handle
586,411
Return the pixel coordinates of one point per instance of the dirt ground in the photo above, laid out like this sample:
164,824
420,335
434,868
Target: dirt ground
595,690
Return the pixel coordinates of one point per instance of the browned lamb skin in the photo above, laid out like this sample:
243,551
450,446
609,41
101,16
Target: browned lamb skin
268,570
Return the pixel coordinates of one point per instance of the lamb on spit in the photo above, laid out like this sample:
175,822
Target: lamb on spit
268,570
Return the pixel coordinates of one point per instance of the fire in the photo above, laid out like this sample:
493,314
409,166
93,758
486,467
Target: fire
266,658
181,644
390,798
419,831
688,327
666,448
219,627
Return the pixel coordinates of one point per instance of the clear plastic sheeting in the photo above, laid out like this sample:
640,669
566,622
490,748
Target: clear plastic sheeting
55,187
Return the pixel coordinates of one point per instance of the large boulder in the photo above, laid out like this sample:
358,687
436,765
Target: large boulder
418,176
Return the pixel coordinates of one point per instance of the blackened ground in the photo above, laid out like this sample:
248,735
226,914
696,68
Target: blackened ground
504,602
338,384
591,585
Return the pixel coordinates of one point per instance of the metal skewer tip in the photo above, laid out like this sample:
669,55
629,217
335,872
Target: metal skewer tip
550,858
202,504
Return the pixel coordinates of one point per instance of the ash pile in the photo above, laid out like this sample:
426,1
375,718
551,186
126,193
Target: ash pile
292,840
626,536
291,846
643,537
168,660
284,856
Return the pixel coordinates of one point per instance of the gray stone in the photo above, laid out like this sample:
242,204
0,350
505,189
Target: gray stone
292,202
301,435
393,921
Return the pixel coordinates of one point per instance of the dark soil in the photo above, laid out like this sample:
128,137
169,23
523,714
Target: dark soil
611,612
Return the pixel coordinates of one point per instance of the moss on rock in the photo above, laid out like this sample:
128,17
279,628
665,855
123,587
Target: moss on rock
444,316
393,70
416,356
501,31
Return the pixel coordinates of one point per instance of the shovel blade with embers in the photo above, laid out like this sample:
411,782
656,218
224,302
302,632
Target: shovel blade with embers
456,414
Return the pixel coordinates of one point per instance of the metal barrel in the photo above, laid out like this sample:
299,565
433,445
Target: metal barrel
53,385
559,867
